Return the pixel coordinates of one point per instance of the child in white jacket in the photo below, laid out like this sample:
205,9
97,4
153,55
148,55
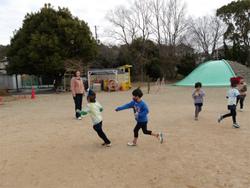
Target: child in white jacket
94,109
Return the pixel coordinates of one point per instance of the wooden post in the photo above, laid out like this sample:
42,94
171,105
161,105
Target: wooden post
148,84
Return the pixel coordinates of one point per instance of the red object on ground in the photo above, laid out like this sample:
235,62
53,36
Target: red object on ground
33,95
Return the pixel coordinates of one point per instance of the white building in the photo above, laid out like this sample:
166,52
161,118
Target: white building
8,81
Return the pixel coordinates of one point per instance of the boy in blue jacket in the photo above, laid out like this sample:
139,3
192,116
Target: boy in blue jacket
140,111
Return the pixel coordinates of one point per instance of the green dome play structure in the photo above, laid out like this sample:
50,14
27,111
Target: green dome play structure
210,73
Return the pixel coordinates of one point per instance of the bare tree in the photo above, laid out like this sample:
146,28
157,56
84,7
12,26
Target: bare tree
130,23
163,21
156,21
174,21
169,21
207,33
142,17
124,29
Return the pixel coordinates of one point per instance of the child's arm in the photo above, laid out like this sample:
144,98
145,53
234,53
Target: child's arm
100,106
194,94
84,111
126,106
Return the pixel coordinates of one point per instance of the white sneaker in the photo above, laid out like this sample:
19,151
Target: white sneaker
79,118
235,125
161,137
108,145
241,110
131,144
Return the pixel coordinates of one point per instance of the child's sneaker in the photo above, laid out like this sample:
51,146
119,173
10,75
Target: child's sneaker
108,145
235,125
161,137
131,144
220,119
79,118
241,110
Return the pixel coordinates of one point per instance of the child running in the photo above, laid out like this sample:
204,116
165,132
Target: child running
94,109
198,95
232,95
140,111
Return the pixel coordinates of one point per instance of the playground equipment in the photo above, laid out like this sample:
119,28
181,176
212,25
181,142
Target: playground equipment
210,73
110,79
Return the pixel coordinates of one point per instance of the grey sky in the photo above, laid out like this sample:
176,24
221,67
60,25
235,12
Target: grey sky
12,12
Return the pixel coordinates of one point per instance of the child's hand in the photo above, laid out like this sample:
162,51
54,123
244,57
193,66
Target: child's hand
136,115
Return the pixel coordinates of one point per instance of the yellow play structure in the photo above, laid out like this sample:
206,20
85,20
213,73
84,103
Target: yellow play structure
110,79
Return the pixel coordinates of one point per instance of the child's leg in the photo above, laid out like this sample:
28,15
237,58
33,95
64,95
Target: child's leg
233,112
200,108
196,111
146,131
136,131
101,134
227,115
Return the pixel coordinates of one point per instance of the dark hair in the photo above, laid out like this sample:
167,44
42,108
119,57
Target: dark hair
91,96
91,99
76,72
234,84
137,93
197,84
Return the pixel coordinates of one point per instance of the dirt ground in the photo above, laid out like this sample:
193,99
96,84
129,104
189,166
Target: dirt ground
43,146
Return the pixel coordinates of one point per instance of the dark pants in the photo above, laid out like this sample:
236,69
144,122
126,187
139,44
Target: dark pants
241,98
78,104
143,126
232,113
198,108
101,134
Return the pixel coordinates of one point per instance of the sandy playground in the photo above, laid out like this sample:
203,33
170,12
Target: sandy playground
43,146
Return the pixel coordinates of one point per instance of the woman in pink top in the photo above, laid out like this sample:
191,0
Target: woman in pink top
78,90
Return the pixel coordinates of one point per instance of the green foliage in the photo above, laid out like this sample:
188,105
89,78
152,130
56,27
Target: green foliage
186,65
3,51
153,69
106,57
47,38
145,55
236,15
